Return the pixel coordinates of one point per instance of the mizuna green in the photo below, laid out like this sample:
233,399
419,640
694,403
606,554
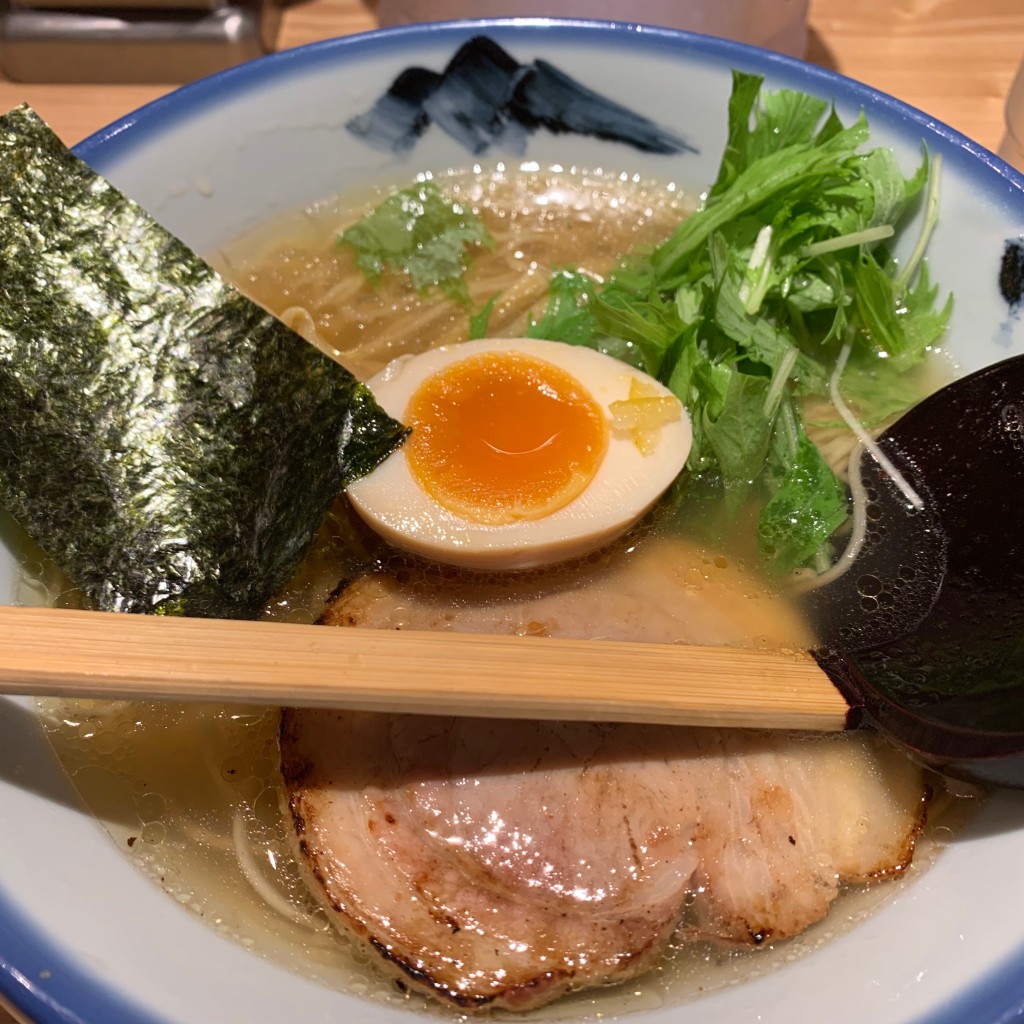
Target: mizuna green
744,310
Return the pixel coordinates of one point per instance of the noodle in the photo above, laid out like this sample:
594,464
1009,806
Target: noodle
540,223
261,886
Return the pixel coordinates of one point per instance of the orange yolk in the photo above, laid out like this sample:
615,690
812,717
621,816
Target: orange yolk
501,437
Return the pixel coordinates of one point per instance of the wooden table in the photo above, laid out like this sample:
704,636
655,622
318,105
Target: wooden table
954,58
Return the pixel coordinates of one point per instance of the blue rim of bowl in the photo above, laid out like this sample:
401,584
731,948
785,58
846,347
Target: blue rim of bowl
37,977
40,981
166,111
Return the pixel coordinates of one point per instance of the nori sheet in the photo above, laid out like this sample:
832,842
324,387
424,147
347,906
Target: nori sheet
171,445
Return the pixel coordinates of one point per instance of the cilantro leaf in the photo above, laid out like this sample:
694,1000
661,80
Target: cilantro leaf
419,232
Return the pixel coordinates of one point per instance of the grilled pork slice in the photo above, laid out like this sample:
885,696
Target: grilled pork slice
503,863
663,591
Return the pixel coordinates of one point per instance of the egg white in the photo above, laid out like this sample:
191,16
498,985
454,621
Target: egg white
625,486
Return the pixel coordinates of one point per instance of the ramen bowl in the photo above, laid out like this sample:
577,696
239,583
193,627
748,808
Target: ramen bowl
84,935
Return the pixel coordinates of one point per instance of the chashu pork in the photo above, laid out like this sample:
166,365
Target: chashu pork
504,863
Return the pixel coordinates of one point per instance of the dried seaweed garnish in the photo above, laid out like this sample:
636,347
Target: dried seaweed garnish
172,446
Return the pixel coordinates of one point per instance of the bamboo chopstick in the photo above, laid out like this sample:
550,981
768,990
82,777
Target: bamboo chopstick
50,652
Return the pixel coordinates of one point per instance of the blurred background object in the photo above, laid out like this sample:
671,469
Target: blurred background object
774,24
1012,147
148,41
955,59
89,41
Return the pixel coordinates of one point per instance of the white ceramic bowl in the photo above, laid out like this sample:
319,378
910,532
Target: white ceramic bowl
83,937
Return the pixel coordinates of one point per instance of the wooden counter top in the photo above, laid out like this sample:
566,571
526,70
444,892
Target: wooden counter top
955,59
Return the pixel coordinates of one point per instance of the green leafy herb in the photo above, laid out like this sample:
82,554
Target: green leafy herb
479,322
809,505
168,443
569,315
573,316
744,309
739,435
418,232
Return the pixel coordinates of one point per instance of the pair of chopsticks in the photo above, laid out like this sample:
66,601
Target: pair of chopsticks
51,652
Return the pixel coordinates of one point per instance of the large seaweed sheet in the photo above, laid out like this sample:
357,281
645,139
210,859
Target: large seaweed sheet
171,445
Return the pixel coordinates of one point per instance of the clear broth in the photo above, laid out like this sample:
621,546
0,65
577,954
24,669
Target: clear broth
209,830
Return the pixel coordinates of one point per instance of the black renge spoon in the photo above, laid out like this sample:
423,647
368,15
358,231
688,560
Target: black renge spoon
924,633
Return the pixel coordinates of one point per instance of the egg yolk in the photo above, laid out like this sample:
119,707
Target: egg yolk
500,437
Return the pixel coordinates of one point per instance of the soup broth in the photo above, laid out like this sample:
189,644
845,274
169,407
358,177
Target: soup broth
208,827
541,222
209,830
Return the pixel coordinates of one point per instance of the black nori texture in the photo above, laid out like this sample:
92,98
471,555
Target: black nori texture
171,445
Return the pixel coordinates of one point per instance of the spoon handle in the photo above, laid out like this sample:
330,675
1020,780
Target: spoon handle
51,652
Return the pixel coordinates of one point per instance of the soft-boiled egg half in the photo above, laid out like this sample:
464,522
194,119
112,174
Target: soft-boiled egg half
522,452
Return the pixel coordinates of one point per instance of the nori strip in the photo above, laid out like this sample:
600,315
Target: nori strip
171,445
